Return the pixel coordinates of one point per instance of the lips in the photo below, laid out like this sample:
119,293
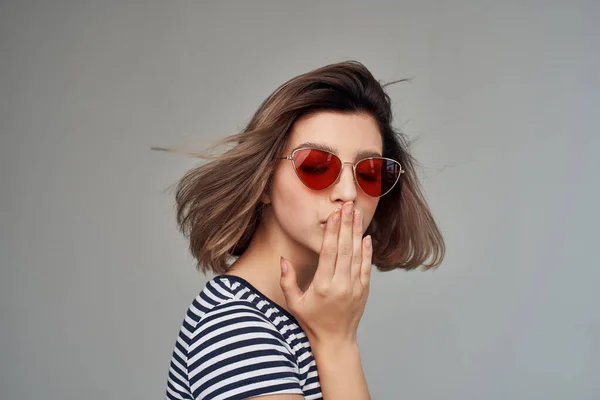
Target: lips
325,220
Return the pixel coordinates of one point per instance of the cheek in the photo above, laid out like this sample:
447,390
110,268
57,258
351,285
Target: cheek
291,201
369,209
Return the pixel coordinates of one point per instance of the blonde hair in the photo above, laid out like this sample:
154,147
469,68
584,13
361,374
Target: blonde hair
218,203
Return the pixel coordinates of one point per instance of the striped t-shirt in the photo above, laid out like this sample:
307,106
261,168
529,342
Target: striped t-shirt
236,344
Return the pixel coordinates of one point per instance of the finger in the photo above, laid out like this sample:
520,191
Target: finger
357,241
367,257
289,284
345,245
328,254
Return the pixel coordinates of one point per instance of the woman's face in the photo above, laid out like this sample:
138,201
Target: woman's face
301,211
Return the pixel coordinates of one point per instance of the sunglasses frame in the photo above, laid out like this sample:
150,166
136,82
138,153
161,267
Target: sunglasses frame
291,158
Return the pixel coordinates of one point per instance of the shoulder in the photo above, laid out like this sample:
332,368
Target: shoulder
235,348
232,325
232,318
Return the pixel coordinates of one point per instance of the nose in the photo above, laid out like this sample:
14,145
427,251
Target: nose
344,188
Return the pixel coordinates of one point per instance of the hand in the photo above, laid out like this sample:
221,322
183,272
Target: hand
330,309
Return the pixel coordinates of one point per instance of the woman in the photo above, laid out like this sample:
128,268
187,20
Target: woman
280,322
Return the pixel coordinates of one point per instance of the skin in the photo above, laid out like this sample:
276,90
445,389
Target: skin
324,282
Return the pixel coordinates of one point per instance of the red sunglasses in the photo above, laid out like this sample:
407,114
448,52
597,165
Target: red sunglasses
319,169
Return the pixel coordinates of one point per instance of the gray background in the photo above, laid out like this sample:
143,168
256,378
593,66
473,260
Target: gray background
95,277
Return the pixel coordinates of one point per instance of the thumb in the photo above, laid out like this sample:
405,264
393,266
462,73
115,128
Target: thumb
288,283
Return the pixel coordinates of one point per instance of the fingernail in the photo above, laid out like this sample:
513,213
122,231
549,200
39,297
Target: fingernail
283,266
368,241
348,210
336,217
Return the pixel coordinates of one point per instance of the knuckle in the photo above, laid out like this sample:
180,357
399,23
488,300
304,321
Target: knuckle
330,250
365,285
342,292
322,289
346,250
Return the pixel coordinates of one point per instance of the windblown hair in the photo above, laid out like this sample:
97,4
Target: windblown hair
218,203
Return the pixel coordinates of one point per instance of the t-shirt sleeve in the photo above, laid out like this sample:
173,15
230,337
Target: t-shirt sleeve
235,353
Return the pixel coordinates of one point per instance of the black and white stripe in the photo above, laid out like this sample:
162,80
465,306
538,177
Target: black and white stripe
235,344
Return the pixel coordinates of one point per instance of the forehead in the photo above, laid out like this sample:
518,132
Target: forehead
349,135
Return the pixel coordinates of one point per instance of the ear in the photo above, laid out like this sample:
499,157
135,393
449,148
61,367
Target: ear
264,198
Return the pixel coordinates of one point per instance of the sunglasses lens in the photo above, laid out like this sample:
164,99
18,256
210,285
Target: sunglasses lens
317,169
377,176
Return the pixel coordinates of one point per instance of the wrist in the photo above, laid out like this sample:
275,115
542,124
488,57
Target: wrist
340,371
335,349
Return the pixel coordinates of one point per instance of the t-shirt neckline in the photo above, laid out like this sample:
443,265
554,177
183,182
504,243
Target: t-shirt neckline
261,295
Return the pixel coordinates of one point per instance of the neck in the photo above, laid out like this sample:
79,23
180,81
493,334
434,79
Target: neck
260,263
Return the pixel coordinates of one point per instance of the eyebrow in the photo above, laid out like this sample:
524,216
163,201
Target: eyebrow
326,147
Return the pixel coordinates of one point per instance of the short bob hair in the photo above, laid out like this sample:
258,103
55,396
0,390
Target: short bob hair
218,203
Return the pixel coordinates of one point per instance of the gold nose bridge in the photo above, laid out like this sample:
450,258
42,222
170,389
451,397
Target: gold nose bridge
342,170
